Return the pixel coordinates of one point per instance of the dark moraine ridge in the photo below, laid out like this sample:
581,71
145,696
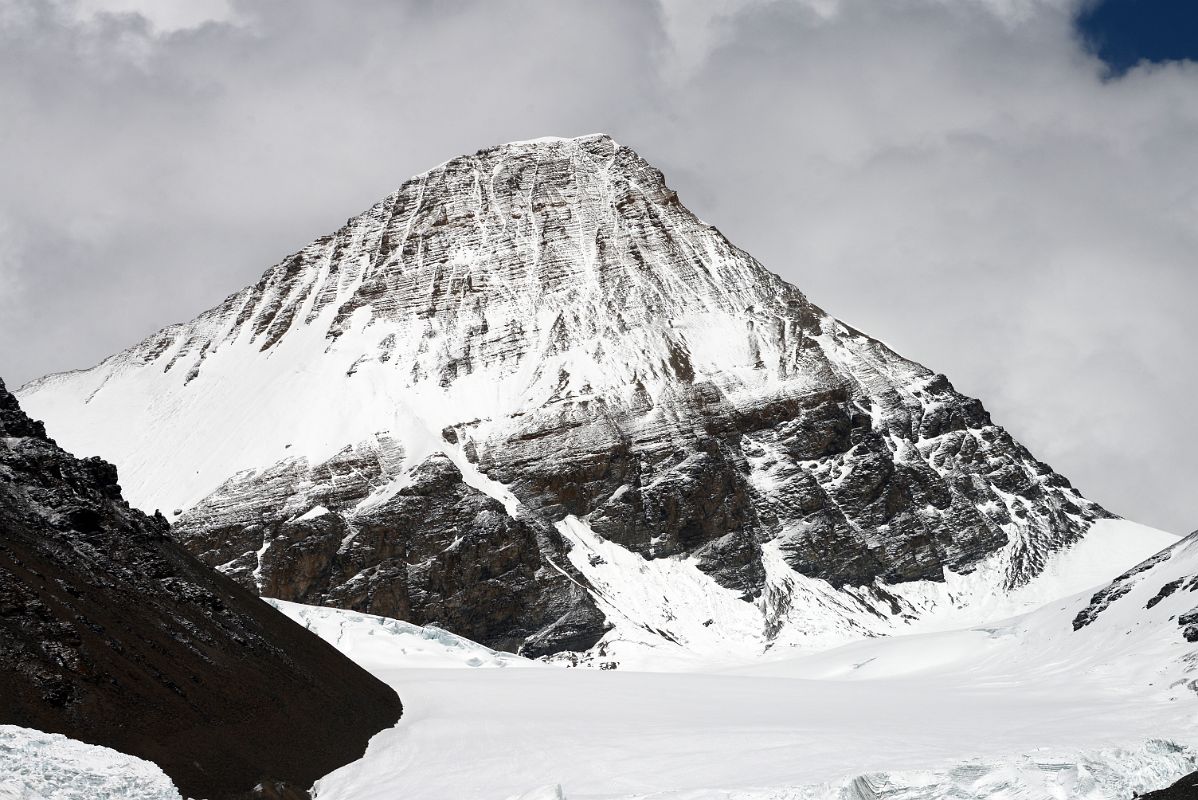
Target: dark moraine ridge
111,633
1184,789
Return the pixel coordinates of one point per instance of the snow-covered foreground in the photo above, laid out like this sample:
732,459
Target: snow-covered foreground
1024,708
47,766
495,734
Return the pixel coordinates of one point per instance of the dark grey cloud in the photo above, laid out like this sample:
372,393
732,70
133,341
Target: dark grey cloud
956,178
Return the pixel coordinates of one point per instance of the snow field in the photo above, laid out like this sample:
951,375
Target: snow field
1022,708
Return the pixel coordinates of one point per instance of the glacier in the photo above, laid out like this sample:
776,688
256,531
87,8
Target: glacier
48,766
1026,707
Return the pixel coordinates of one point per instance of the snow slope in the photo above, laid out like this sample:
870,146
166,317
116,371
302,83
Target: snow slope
1042,705
667,613
48,766
379,642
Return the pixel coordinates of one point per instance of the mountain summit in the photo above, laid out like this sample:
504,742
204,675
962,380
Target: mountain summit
532,398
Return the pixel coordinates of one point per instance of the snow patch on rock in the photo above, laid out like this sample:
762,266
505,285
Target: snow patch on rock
668,614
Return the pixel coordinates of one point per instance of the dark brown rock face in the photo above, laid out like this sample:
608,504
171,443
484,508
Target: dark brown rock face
435,551
113,634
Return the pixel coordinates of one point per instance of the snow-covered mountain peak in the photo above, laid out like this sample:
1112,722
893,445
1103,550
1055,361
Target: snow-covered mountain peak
521,275
542,331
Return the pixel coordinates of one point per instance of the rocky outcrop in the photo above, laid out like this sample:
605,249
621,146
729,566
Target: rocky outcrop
1184,789
1180,588
552,319
112,634
426,548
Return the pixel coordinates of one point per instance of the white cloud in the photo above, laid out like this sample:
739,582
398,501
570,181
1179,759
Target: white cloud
11,270
965,184
163,16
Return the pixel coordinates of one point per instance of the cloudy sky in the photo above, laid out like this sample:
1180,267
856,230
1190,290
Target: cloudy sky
964,179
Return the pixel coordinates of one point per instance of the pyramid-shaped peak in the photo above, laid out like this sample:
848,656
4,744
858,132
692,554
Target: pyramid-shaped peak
550,317
556,154
571,240
545,141
579,225
549,144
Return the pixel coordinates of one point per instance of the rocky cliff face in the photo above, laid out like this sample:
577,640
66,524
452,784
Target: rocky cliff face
433,550
436,412
1180,586
112,633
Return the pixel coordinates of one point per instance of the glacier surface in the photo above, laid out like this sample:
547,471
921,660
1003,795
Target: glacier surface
1035,706
47,766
